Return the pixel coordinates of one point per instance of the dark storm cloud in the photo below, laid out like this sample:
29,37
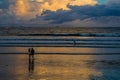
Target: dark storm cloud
96,15
4,4
83,12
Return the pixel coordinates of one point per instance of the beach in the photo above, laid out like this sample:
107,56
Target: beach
58,67
59,39
91,54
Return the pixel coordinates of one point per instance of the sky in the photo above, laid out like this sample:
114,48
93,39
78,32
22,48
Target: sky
73,13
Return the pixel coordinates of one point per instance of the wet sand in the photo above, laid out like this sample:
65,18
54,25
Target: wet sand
59,67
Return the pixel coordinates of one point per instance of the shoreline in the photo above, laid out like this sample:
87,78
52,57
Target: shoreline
44,53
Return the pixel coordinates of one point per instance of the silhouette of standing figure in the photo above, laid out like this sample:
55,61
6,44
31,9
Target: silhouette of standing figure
32,52
29,52
31,63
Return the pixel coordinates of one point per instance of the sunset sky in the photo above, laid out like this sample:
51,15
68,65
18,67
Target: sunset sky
83,13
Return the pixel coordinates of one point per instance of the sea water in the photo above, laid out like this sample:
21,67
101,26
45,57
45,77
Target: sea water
89,55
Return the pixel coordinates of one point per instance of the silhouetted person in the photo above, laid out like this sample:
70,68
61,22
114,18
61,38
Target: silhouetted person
29,52
32,52
31,62
74,42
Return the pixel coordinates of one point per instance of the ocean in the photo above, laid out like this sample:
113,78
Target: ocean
101,39
68,54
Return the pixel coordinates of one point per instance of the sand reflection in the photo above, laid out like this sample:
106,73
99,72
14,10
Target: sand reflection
59,50
64,50
65,67
59,67
54,67
31,68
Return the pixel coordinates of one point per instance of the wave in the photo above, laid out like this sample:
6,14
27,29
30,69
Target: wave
79,34
80,46
61,41
97,44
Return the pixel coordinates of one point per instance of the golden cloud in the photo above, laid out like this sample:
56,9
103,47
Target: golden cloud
21,7
30,8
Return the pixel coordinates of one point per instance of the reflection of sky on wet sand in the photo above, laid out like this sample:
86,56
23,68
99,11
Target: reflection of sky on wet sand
64,67
12,66
59,50
56,67
48,67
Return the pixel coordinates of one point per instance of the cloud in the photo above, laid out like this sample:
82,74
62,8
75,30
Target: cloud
103,21
98,15
60,12
113,2
28,9
1,10
82,12
4,4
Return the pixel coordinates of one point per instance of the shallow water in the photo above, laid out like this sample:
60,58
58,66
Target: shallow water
59,67
60,41
49,66
60,50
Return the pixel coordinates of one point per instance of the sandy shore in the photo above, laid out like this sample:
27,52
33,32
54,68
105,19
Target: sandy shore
59,67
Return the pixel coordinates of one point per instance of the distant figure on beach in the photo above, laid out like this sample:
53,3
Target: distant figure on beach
31,52
74,42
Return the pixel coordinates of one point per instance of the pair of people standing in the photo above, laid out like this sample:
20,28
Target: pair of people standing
31,52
